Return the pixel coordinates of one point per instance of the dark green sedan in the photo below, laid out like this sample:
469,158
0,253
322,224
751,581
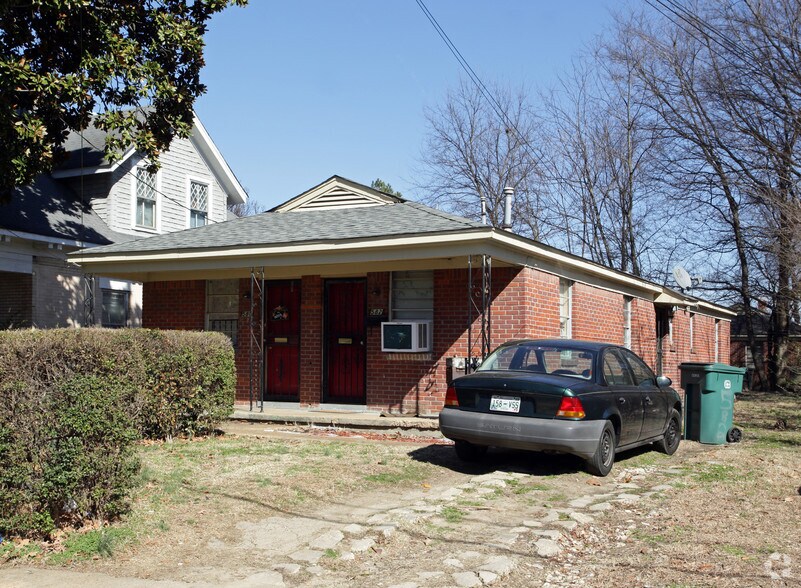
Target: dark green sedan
578,397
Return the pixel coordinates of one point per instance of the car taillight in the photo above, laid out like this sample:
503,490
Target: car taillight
450,397
570,408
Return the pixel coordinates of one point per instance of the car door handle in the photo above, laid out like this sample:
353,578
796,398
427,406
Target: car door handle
647,400
621,400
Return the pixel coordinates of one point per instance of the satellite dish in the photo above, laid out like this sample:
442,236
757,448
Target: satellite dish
682,278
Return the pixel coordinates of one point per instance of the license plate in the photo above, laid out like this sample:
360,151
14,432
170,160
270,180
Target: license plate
505,403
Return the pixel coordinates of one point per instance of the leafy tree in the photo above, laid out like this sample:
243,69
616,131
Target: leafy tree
135,63
385,187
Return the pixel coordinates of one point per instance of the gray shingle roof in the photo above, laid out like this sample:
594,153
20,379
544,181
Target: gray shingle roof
47,207
85,149
314,226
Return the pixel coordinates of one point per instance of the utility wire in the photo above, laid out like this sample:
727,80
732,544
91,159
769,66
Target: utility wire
683,18
482,88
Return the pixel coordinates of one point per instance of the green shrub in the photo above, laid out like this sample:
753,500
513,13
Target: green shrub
73,401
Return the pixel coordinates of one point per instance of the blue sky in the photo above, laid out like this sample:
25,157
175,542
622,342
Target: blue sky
301,90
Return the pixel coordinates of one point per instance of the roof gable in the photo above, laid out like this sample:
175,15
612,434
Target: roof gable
86,155
335,193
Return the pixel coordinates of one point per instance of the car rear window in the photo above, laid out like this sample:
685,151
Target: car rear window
555,360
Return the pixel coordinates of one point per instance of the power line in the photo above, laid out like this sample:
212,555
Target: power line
482,88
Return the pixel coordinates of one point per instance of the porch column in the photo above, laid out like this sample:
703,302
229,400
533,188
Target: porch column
311,340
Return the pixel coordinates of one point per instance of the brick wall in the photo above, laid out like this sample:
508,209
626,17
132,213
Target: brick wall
311,340
597,314
16,294
179,305
525,304
243,373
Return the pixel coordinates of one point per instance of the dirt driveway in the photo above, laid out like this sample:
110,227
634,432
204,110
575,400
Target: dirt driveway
305,511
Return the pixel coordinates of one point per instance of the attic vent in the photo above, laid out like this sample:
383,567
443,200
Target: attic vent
338,198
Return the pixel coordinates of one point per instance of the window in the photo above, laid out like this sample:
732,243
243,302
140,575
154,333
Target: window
145,198
692,331
616,373
565,308
222,304
627,322
643,376
717,340
115,308
412,296
198,204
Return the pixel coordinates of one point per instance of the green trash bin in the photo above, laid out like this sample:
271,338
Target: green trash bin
709,390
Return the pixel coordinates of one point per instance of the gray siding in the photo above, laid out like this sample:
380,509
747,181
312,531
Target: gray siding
181,164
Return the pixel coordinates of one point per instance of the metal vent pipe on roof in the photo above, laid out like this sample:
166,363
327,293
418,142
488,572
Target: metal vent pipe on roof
508,194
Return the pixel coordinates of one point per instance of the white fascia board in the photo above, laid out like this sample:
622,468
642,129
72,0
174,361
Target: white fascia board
376,248
45,239
715,310
202,141
536,251
503,247
88,171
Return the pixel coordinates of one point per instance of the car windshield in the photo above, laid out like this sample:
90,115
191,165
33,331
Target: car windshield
557,360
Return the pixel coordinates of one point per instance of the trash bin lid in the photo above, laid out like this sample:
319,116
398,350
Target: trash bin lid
720,368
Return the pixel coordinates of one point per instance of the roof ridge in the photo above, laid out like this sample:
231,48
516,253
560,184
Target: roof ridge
442,214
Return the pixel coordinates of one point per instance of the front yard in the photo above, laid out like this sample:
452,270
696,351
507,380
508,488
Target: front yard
320,509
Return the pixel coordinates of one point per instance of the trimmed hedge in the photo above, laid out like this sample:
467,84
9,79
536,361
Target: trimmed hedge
73,401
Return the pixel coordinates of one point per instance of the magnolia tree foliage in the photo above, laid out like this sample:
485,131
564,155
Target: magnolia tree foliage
135,63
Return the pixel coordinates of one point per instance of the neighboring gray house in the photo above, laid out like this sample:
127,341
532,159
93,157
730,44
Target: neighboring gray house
89,201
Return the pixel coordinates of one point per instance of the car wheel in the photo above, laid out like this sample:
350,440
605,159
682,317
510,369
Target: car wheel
601,463
468,452
672,437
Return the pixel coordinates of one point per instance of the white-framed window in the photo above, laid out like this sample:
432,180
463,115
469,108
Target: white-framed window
565,308
670,328
412,295
749,358
627,321
198,204
222,307
692,331
115,304
717,340
146,209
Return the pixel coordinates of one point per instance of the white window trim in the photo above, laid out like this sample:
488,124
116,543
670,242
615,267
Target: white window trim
717,340
210,198
568,334
627,310
159,200
692,331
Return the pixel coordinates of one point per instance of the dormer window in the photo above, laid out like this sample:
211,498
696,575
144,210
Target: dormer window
145,198
198,204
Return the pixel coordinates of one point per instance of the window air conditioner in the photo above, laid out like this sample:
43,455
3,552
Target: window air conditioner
409,336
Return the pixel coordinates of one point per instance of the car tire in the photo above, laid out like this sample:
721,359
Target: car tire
469,452
601,463
669,442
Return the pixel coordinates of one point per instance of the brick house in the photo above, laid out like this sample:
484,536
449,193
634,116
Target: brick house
89,201
347,295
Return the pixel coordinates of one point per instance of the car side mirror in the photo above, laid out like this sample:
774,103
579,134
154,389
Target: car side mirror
663,381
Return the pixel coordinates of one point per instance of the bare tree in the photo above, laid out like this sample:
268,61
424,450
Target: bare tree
475,148
601,152
723,81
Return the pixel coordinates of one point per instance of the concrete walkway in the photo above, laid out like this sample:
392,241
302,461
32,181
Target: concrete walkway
355,418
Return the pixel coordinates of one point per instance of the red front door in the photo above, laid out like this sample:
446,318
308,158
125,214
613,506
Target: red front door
282,340
345,341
